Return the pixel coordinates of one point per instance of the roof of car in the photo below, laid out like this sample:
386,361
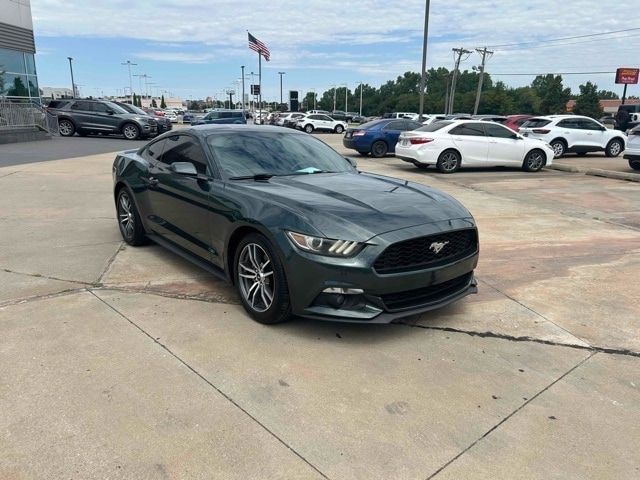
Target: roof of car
205,130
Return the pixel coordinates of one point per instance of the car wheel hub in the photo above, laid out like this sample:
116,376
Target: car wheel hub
558,149
125,215
615,148
255,275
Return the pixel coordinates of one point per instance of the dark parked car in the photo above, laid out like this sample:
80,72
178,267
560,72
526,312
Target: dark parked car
97,116
221,117
378,137
164,124
294,226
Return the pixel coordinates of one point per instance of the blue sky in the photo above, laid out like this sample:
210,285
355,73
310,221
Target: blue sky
194,48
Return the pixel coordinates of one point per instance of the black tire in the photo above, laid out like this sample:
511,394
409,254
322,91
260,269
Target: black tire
308,128
129,221
635,164
66,128
379,149
534,161
364,154
131,131
448,161
339,129
279,310
559,148
614,148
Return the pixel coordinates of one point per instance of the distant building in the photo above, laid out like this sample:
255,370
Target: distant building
56,92
608,106
18,77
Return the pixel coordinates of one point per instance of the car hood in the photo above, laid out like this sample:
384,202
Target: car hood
359,206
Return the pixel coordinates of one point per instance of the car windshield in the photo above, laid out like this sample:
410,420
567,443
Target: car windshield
115,107
432,127
135,109
243,154
536,123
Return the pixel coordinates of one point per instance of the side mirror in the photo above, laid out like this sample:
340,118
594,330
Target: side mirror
352,162
603,128
110,111
184,168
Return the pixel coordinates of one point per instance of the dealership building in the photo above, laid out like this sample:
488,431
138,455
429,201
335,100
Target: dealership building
18,76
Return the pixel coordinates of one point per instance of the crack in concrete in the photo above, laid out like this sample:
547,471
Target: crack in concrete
160,293
46,277
531,310
496,426
61,293
204,379
110,261
513,338
6,175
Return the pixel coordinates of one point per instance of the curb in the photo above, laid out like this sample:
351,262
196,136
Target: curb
597,172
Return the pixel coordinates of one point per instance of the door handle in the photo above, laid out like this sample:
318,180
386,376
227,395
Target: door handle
152,181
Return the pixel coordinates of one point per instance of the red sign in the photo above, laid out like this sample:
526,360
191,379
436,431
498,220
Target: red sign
627,76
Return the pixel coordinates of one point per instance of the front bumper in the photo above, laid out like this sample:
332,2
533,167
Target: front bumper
308,275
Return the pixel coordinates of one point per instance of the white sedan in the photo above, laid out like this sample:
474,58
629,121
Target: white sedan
318,121
452,144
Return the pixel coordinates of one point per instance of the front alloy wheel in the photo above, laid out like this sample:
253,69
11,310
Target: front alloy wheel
66,128
614,148
308,128
261,281
534,162
130,131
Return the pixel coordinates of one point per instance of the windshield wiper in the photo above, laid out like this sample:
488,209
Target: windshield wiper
256,177
313,172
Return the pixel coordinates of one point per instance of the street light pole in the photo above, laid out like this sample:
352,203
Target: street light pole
424,58
281,73
242,68
73,83
360,98
334,98
128,64
346,89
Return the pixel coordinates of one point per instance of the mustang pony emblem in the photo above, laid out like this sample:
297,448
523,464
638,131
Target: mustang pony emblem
436,247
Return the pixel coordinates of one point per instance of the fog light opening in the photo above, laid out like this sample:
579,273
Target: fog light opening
337,300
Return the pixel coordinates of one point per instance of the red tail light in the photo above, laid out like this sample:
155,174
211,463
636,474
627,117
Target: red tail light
541,130
419,140
359,133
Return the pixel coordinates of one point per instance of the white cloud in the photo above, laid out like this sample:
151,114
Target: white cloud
295,31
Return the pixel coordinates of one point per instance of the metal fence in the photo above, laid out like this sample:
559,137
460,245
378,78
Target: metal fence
26,114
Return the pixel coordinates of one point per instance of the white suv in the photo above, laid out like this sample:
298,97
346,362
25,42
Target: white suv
318,121
632,153
574,133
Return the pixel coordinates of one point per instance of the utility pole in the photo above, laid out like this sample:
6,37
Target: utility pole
361,98
424,59
128,64
334,98
484,52
281,73
346,90
73,84
458,52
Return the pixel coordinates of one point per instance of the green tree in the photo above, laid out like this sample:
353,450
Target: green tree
135,100
588,102
607,95
163,105
553,96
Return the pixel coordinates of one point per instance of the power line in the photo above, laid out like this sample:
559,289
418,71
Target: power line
550,73
621,37
564,38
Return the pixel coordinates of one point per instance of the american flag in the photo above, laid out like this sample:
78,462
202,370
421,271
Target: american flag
258,46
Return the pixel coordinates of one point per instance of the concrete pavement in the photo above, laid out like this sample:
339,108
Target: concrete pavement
120,362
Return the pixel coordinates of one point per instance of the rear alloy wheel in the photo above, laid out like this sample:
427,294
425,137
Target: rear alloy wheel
66,128
379,149
339,129
558,148
448,162
534,161
129,219
614,148
635,164
131,131
261,281
308,128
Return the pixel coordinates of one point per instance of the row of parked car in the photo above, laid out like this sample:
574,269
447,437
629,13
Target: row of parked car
450,143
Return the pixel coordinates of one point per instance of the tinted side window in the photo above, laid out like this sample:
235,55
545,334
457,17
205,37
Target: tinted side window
236,114
225,114
58,103
397,125
587,124
83,106
411,125
153,152
536,123
314,117
182,148
468,129
497,131
100,107
569,123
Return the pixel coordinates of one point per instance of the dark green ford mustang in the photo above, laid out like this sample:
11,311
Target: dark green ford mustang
295,226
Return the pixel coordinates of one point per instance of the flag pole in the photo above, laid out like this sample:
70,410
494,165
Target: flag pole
260,83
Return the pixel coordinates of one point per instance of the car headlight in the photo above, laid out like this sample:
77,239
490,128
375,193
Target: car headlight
325,246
